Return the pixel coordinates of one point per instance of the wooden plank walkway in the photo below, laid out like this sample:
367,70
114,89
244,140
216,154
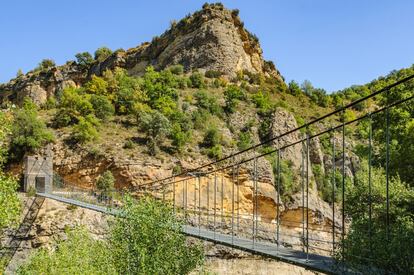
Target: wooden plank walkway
309,261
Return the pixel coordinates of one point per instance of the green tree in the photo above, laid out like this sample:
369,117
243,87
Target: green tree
73,105
156,127
179,136
19,73
106,183
294,88
97,85
365,240
208,102
197,80
46,64
102,107
10,206
84,59
5,131
79,254
102,53
29,133
147,239
85,129
231,96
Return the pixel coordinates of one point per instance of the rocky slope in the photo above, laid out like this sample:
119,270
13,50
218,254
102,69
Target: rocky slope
213,38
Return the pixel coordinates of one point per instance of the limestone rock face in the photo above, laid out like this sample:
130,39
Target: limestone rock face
213,38
40,85
283,122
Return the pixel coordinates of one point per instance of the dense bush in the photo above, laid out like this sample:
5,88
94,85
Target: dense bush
208,102
145,238
245,140
105,183
73,105
85,129
179,136
212,137
10,206
45,64
85,60
231,96
102,107
177,69
125,91
29,133
148,240
102,53
213,74
294,88
97,85
156,127
79,254
393,252
197,80
5,131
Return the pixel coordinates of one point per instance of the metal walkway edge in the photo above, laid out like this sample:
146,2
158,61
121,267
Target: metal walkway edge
312,261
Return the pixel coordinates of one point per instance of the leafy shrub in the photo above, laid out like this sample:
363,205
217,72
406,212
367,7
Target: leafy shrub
5,131
177,69
97,85
72,107
294,88
208,102
156,127
212,137
213,74
179,137
50,103
231,95
125,91
197,80
245,140
102,53
45,64
263,102
393,253
29,133
85,60
147,224
105,182
215,152
79,254
85,129
129,144
103,108
9,202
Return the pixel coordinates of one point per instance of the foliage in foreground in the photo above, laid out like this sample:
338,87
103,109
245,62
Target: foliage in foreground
9,201
145,239
149,241
393,251
28,131
80,254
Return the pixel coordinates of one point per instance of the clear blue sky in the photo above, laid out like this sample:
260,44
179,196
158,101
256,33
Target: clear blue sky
334,44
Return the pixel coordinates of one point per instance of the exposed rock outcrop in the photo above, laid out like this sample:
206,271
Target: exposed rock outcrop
213,38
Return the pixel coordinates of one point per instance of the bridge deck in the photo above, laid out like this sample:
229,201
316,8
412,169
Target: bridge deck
309,261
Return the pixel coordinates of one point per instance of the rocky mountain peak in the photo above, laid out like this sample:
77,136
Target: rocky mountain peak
211,39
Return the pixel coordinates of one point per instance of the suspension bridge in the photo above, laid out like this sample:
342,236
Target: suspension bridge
227,201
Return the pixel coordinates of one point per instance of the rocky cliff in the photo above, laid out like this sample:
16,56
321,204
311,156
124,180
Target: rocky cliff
213,38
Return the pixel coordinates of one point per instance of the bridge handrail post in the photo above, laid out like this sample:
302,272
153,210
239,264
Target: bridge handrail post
333,189
307,192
